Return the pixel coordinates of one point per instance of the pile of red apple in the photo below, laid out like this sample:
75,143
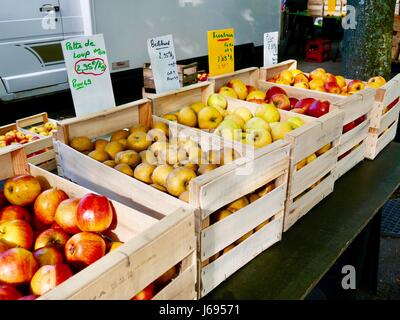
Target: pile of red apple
46,237
308,106
15,136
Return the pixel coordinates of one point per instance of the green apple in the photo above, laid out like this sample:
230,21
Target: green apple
280,129
257,123
268,112
229,129
209,118
295,122
244,113
227,92
217,100
258,138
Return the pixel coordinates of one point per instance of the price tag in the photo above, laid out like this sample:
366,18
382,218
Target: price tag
221,57
163,63
270,48
88,74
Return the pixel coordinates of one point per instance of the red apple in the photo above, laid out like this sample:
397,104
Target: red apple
301,78
52,237
17,266
15,213
293,102
273,91
49,277
390,106
146,294
84,248
281,101
16,233
31,297
48,256
46,205
360,120
8,292
318,109
333,87
304,104
349,126
66,216
330,78
94,213
38,225
22,190
355,85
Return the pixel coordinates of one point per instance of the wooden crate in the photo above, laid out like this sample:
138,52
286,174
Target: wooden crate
172,101
39,119
208,193
382,130
303,194
187,76
39,152
145,255
354,106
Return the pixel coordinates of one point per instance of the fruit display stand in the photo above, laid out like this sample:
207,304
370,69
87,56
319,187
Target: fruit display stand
353,143
311,184
207,193
145,255
384,119
40,152
35,121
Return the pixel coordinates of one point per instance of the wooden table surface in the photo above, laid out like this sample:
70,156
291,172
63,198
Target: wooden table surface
293,267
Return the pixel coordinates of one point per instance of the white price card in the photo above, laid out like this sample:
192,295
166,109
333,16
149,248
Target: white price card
88,74
270,48
163,63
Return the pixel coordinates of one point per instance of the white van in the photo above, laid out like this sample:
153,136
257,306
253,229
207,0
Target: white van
31,59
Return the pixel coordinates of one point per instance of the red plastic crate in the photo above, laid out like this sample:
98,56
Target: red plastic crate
318,50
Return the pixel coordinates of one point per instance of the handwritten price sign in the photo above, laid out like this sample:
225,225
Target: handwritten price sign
270,48
88,74
163,63
221,55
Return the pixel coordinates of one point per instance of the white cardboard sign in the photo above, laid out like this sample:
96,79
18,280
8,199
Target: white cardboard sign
270,48
88,74
163,63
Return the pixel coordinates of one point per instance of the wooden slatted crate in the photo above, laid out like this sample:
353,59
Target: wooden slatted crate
208,193
310,185
385,117
353,145
40,152
145,255
46,160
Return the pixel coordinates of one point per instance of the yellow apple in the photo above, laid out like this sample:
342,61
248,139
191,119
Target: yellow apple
161,126
229,129
218,100
268,112
227,92
324,149
239,87
244,113
112,148
239,120
311,158
341,81
209,118
257,123
296,122
197,106
238,204
286,76
160,174
178,180
129,157
138,141
143,172
120,134
188,117
258,138
280,129
170,117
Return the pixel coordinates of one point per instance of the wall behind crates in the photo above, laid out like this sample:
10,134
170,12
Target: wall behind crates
127,24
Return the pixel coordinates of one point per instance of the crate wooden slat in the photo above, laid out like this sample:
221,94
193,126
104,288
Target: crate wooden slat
354,107
208,192
304,142
144,256
40,152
